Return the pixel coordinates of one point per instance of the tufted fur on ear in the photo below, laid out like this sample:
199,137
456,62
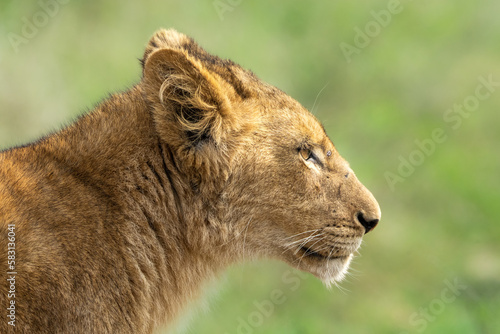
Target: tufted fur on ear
191,93
190,98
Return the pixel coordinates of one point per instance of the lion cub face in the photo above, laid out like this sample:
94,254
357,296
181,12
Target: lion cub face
262,161
313,209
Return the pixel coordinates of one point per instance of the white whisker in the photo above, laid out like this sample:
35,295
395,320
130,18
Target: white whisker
317,96
293,236
322,235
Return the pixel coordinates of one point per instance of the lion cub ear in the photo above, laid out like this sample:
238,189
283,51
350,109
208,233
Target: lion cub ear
187,97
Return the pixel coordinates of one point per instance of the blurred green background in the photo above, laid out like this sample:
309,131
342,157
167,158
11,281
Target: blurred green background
432,265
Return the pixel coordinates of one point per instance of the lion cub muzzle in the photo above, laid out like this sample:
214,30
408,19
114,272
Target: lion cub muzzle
369,213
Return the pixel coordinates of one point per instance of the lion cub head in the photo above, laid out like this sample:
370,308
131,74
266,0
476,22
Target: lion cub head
268,178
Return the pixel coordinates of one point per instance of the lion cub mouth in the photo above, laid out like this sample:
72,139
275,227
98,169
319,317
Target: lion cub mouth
308,252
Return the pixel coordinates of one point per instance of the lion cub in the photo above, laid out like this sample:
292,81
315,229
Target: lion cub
113,224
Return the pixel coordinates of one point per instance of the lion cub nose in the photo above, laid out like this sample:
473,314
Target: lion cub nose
368,223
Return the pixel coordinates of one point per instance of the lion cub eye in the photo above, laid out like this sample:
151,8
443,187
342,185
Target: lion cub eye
306,154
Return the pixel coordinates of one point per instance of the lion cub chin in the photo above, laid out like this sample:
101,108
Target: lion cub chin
112,224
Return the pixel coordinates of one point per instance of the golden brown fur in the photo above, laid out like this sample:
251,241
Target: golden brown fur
122,216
